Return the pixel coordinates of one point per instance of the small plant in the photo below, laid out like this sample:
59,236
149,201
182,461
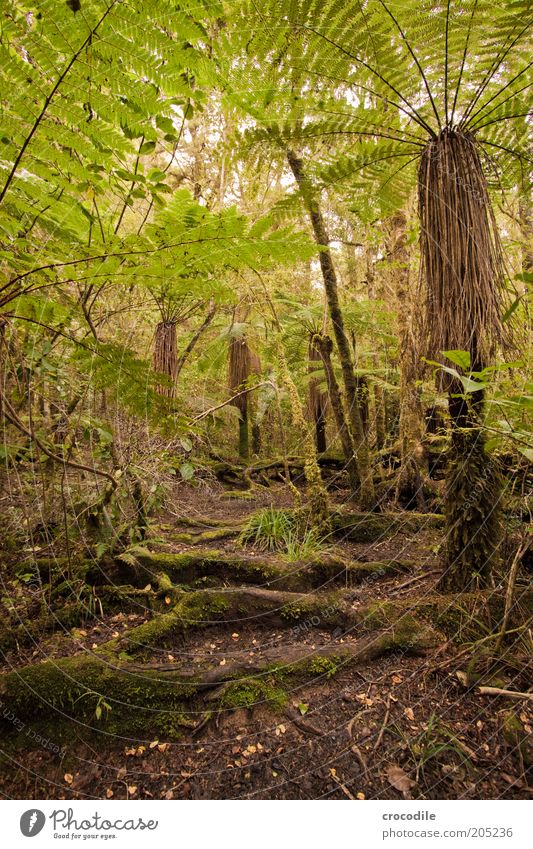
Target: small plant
432,743
302,546
281,530
268,529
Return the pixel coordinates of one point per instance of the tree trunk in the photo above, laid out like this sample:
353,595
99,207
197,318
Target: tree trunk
325,347
410,478
244,449
317,399
362,454
472,500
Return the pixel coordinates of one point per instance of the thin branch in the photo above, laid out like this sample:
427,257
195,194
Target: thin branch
463,61
230,400
501,90
446,61
132,186
49,99
413,114
203,327
12,417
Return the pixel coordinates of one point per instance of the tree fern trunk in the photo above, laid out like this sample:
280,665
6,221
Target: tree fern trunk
165,356
329,276
325,346
472,501
410,478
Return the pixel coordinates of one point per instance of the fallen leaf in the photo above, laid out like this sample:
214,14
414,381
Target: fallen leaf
153,744
223,662
408,712
400,780
109,793
303,708
122,772
162,747
132,789
68,778
280,729
168,600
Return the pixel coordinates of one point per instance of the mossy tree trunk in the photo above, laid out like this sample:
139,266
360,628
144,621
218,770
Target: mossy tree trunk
472,499
410,478
329,276
317,399
325,347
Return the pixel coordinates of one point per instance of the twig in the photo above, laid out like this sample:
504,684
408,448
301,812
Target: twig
382,730
415,579
511,582
342,786
360,757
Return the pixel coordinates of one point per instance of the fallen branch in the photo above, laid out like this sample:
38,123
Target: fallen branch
511,694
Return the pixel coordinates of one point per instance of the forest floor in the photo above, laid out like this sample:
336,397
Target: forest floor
322,713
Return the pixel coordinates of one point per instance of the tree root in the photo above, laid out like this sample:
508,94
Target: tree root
158,697
372,527
190,567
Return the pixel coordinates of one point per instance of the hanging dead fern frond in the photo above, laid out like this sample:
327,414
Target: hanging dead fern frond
239,370
165,356
461,253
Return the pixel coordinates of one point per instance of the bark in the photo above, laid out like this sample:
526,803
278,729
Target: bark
472,500
325,347
362,454
410,480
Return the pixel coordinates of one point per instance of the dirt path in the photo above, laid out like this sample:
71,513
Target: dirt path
237,674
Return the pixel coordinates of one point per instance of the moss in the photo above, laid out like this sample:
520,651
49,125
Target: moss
372,527
517,737
192,609
324,666
205,536
252,692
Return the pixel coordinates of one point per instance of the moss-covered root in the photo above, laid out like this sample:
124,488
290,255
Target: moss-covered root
260,607
195,567
254,605
126,698
372,527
